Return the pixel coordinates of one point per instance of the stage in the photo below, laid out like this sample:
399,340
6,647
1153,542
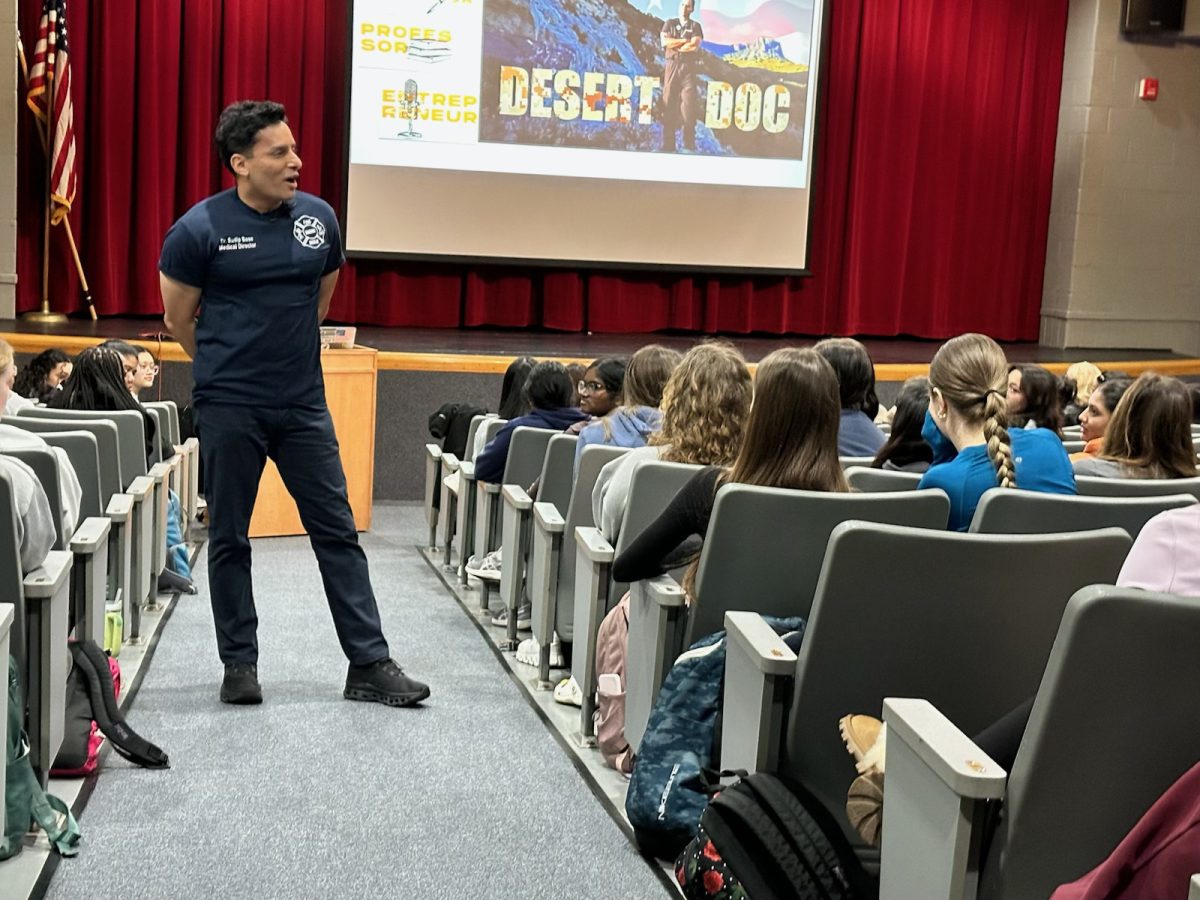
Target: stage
420,369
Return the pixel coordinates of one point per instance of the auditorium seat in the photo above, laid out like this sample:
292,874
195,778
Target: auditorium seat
868,480
1002,511
653,485
763,553
1113,726
1090,486
7,613
905,612
862,461
468,493
552,554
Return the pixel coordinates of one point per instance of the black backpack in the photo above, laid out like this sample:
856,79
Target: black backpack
774,840
450,425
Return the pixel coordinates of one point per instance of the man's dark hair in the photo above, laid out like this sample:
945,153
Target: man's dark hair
239,125
549,386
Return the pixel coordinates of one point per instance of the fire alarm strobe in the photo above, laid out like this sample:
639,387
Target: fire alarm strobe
1148,89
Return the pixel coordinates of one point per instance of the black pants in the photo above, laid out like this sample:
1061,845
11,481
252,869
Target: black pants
235,441
680,106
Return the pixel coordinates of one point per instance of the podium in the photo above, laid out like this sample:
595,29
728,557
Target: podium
350,393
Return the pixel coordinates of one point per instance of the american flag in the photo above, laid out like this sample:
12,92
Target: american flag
51,68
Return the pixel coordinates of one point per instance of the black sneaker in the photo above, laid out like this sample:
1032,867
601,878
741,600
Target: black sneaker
241,685
383,682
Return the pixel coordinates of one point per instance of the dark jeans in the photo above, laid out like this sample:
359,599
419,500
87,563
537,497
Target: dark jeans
235,441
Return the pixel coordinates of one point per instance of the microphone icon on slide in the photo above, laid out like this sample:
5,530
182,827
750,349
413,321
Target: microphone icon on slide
412,103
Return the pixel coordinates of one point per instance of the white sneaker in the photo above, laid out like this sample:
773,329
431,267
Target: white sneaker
568,693
486,569
528,652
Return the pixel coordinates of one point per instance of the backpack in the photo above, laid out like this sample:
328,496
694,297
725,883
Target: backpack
668,790
24,800
612,641
79,753
92,690
767,838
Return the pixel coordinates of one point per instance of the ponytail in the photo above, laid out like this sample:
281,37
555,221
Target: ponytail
999,444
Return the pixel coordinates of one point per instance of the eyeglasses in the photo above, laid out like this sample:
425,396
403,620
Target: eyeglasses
590,387
149,367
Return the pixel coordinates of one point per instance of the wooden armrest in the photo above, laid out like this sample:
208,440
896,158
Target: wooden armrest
119,507
749,633
593,545
491,487
433,451
141,487
664,590
91,535
950,754
466,469
44,581
159,471
547,518
514,495
449,463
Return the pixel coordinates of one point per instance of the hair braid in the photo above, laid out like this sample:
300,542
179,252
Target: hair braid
999,445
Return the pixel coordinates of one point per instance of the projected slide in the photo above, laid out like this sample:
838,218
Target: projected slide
534,101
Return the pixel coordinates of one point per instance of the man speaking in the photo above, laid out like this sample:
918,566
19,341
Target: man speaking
260,262
680,40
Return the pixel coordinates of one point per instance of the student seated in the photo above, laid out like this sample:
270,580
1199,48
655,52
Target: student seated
548,391
101,381
704,405
43,375
973,450
147,369
13,438
598,391
35,521
791,442
858,435
1033,400
1149,434
1076,387
1097,414
637,415
1165,557
905,450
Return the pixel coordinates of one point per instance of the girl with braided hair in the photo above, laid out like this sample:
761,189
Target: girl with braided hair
967,427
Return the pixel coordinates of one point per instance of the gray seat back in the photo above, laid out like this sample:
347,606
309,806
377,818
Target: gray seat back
1003,511
860,461
526,452
490,426
157,415
765,546
12,582
868,480
1112,727
558,467
45,466
131,434
81,450
579,515
1136,487
472,430
171,411
963,620
105,435
1074,446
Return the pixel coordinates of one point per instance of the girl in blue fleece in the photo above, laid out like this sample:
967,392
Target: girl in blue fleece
973,450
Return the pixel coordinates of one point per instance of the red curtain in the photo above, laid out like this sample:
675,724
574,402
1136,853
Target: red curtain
936,154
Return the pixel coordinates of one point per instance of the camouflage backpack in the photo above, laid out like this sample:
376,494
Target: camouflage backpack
668,790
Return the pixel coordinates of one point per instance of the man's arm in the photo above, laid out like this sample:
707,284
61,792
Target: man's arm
672,43
180,302
325,294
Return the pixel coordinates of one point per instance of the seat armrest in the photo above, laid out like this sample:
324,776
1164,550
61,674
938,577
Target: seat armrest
759,669
47,578
491,487
119,507
160,471
514,495
449,463
140,486
593,545
433,451
938,783
1194,893
91,535
664,591
546,516
758,642
466,469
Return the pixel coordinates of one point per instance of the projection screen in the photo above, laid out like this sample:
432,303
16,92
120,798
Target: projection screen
594,132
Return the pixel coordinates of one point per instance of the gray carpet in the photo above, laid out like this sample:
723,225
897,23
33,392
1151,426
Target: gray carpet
311,795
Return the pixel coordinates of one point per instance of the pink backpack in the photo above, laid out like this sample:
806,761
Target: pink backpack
612,646
80,751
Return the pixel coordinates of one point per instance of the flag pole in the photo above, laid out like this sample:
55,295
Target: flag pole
44,315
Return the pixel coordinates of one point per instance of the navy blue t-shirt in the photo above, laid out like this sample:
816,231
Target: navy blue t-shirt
257,338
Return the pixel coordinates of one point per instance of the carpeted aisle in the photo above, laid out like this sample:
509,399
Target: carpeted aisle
312,796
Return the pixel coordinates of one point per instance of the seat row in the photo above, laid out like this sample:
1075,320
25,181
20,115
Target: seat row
96,582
